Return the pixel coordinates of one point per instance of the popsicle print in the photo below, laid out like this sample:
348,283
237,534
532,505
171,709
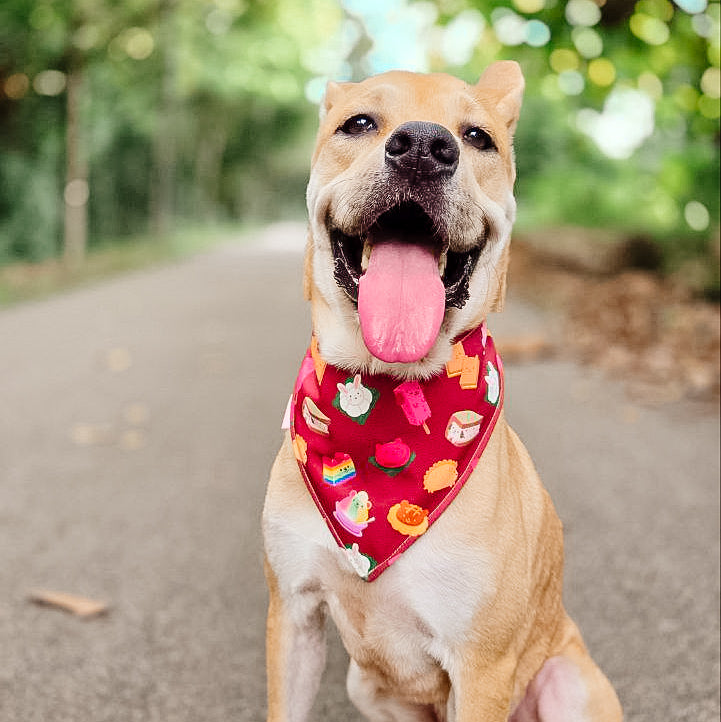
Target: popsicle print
409,396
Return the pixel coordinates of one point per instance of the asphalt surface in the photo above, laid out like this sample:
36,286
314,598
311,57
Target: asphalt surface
138,421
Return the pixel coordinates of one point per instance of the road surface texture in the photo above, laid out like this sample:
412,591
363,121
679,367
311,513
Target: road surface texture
138,421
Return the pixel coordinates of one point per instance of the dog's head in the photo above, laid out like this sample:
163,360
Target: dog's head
411,206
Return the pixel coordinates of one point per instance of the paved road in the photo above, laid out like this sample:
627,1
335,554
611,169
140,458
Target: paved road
138,420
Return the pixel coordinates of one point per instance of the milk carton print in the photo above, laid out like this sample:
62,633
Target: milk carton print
463,427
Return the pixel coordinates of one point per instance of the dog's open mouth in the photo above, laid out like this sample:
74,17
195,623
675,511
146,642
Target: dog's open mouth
351,253
403,275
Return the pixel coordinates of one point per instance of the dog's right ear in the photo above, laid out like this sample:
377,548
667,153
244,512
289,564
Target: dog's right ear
333,92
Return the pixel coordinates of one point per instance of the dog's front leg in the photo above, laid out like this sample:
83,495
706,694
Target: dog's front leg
295,652
479,690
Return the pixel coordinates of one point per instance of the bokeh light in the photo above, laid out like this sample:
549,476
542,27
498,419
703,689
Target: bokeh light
16,86
537,33
136,43
77,192
602,72
563,59
703,25
686,97
696,215
49,82
626,121
529,6
711,82
709,107
582,12
571,82
661,9
587,41
664,209
460,37
651,85
649,29
402,33
550,88
86,37
692,6
509,27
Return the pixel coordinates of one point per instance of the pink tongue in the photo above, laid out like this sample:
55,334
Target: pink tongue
401,302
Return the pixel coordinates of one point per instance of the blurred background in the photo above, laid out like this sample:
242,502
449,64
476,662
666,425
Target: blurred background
123,122
139,416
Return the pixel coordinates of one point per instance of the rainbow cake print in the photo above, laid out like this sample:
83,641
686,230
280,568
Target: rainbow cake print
338,469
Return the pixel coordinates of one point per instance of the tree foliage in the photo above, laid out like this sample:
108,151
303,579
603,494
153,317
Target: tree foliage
598,158
186,105
620,125
198,109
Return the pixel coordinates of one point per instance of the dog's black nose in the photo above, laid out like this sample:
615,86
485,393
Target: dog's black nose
422,151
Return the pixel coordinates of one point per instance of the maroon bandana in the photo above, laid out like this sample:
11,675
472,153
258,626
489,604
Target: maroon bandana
383,458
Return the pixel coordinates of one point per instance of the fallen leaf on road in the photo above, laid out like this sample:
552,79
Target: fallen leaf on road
136,414
653,332
662,340
132,440
80,606
84,434
118,359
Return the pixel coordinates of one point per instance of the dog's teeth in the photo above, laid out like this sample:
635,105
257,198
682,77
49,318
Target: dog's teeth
366,258
442,262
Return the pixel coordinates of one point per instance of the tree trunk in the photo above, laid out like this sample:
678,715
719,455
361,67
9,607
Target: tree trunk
162,190
211,145
76,176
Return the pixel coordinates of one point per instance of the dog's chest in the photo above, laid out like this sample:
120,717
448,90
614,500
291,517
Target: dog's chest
424,604
413,615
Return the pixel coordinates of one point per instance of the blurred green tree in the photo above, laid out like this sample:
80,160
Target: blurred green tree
620,126
119,116
150,106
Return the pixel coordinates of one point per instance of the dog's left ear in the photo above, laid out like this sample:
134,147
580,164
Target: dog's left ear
502,83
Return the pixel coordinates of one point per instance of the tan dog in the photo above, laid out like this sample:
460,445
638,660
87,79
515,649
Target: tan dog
427,159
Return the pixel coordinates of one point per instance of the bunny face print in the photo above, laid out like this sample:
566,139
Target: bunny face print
355,400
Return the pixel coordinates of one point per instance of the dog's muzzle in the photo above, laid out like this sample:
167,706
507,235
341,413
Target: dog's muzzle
395,257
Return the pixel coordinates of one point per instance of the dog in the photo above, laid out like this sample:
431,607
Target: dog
411,205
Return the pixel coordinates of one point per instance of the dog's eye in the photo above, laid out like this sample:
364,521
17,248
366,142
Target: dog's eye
479,138
357,125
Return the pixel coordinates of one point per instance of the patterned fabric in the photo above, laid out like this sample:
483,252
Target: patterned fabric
382,458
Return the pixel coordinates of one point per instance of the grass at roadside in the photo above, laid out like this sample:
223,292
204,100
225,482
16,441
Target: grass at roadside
25,281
